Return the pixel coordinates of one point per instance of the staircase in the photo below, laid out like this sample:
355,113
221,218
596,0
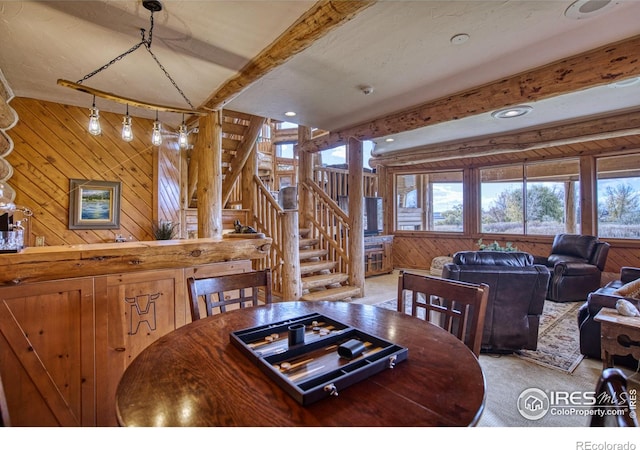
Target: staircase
319,282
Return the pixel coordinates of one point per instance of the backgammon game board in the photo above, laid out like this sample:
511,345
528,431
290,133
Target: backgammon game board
313,356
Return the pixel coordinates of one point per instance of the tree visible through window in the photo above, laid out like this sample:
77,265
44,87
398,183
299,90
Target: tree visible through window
549,207
619,197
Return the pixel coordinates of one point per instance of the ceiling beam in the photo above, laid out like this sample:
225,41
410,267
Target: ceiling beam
626,124
596,67
317,22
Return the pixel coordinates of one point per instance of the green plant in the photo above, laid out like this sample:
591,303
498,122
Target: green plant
164,230
496,247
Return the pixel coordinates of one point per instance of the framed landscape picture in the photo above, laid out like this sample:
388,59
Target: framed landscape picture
94,204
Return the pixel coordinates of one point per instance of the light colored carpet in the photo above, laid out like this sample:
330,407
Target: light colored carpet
507,376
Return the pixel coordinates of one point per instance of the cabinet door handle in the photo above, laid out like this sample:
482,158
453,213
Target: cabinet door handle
120,349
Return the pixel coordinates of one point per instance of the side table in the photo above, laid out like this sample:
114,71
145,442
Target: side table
620,335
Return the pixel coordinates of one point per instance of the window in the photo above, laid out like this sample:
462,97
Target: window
286,125
552,197
284,151
618,197
550,203
334,157
501,200
429,202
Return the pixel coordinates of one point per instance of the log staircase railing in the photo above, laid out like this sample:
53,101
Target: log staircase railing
284,254
334,182
235,197
329,224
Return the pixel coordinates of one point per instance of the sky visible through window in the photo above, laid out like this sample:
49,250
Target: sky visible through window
332,156
338,155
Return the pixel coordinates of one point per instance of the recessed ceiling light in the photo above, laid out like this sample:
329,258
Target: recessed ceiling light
290,114
583,9
459,38
512,111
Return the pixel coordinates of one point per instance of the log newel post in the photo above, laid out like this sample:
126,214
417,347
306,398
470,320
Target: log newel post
356,205
305,175
386,194
291,281
210,176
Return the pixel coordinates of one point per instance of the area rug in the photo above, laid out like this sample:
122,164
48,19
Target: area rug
558,336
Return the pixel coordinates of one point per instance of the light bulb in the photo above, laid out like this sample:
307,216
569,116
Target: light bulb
156,135
94,121
183,140
127,132
7,196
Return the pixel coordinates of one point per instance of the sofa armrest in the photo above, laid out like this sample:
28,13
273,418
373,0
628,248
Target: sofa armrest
597,300
629,274
541,260
573,269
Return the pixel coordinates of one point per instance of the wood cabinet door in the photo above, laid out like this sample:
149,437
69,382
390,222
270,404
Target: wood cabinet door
133,310
46,353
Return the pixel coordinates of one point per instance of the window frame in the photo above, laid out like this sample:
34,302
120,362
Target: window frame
465,197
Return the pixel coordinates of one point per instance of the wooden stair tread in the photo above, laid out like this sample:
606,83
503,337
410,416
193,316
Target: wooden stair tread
331,294
307,242
326,279
312,253
316,266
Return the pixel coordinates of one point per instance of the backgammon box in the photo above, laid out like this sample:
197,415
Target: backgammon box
332,356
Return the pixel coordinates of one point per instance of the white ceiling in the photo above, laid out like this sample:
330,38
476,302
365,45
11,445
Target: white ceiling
402,49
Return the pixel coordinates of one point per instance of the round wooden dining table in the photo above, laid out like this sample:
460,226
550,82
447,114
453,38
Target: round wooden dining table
194,376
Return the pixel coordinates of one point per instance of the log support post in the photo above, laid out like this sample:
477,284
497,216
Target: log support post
291,280
305,174
356,197
210,176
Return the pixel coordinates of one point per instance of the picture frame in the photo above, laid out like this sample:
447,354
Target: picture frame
94,204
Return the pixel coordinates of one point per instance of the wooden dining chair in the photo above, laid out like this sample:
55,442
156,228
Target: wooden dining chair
613,401
458,307
4,410
239,289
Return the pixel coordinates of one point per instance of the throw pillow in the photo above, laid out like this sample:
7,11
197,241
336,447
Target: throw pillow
629,290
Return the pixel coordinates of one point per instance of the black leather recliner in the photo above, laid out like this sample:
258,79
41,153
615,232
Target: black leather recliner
576,263
517,290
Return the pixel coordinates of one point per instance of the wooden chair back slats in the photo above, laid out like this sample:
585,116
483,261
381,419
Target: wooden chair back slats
218,293
613,406
456,306
4,410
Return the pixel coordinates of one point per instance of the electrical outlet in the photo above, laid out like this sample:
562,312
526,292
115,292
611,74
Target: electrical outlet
39,241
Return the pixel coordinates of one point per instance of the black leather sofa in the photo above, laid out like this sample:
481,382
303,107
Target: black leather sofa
517,291
604,297
576,263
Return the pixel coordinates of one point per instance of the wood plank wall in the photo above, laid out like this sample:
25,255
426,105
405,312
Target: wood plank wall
415,251
167,185
52,145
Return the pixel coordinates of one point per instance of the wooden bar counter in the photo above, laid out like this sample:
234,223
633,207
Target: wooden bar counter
73,317
63,261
